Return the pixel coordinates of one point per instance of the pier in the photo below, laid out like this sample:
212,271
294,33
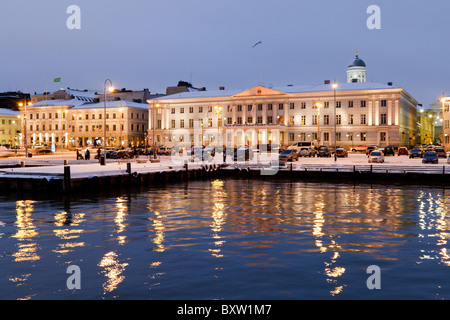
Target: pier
67,177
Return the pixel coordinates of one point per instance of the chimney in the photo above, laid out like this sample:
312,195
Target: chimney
390,84
326,82
221,88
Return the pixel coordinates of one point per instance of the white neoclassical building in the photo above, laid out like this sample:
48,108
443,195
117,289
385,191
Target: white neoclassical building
365,113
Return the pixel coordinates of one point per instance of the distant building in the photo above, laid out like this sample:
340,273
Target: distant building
356,70
426,127
367,113
10,126
11,100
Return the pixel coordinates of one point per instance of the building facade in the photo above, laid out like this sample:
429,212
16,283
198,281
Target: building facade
365,113
77,123
10,127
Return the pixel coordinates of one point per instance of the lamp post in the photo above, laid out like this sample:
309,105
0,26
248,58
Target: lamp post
24,104
153,125
218,110
443,100
335,122
121,117
111,89
318,106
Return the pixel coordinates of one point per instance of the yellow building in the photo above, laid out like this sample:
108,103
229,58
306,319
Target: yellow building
9,127
426,132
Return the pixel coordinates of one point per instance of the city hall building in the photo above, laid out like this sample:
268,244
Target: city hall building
360,112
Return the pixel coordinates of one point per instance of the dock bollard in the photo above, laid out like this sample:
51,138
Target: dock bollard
22,164
66,182
66,162
129,167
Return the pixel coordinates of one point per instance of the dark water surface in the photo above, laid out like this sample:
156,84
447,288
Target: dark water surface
230,239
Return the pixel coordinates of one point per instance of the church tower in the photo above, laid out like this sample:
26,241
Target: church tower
356,70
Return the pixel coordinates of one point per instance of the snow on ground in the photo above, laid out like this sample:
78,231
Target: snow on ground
52,165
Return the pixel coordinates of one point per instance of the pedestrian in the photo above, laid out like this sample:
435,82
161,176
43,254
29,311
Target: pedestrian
87,155
79,156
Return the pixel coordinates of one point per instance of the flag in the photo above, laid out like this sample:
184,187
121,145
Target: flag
259,42
57,80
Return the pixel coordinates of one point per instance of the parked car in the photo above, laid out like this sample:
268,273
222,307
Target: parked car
402,151
289,155
193,150
324,152
164,151
307,152
430,157
440,152
268,147
108,154
341,153
120,155
376,156
243,153
416,153
389,151
203,155
370,149
361,148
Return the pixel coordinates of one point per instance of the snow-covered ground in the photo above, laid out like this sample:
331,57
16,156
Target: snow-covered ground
53,165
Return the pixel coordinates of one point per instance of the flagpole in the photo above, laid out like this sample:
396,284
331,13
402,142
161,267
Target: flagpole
260,64
260,60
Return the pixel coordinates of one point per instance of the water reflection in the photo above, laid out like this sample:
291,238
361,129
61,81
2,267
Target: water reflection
113,271
121,212
218,216
434,227
26,232
65,229
264,234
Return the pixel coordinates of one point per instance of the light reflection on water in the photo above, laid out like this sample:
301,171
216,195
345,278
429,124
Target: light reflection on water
230,239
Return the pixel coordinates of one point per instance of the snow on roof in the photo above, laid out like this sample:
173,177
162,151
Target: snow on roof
286,89
113,104
58,102
8,112
80,93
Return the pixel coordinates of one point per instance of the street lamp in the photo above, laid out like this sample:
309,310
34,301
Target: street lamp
334,85
218,110
24,104
153,125
318,106
110,89
121,117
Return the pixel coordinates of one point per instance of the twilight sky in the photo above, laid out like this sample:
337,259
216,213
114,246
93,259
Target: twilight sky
155,43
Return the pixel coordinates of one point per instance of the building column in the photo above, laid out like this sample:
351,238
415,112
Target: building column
377,112
370,113
396,112
389,113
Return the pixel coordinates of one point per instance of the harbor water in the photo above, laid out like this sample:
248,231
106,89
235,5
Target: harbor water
230,239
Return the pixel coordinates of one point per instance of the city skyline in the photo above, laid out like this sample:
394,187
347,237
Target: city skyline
210,44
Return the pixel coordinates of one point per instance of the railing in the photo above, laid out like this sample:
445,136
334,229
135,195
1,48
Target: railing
378,169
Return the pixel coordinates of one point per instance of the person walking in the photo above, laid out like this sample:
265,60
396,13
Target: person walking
87,155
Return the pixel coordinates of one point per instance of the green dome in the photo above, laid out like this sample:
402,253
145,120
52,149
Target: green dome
357,62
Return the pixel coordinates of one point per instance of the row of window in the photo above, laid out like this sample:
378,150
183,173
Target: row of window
80,116
340,136
93,128
270,106
259,120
